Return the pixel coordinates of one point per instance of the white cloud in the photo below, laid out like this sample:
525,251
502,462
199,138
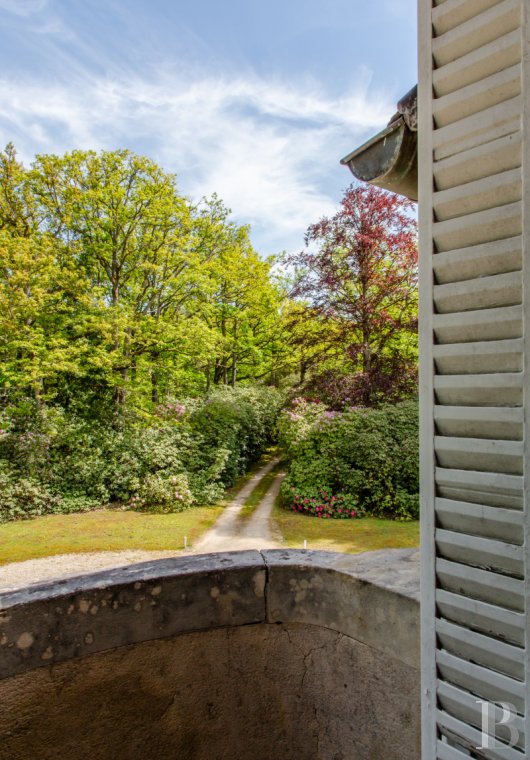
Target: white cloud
264,146
406,9
22,7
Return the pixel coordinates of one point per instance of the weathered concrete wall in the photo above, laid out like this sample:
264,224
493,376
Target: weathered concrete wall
281,655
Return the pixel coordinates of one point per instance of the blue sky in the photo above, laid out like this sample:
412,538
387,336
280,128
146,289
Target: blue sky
256,101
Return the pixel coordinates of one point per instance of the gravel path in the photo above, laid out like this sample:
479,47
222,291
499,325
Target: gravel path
23,574
229,533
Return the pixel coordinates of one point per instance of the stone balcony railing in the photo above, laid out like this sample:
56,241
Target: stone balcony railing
291,655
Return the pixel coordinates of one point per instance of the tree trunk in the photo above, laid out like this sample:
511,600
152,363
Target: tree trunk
303,370
121,391
119,397
234,370
233,376
218,372
367,359
154,387
155,379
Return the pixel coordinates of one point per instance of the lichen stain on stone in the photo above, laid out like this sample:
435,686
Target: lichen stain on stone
94,609
138,607
3,640
25,640
84,606
89,638
259,584
115,605
70,609
5,618
137,586
215,593
47,654
156,591
226,602
301,587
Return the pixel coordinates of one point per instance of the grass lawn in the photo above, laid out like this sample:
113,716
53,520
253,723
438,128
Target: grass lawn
349,536
112,529
102,530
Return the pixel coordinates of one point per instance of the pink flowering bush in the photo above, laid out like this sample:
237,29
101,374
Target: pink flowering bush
324,504
171,410
356,461
297,420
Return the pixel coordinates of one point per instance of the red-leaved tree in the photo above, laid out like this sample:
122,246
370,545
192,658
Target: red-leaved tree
358,275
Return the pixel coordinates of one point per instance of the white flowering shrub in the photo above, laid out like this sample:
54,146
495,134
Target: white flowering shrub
162,494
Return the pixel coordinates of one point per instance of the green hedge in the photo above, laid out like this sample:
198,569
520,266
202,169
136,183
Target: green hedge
186,453
351,463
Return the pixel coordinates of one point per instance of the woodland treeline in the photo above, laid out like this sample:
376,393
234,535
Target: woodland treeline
126,306
115,286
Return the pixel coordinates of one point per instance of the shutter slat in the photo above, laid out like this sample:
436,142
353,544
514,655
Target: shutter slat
479,129
466,708
489,488
478,261
479,227
484,683
497,556
446,752
501,422
486,324
452,13
477,31
480,454
502,389
479,293
484,357
490,58
468,735
477,96
485,586
483,650
477,519
488,619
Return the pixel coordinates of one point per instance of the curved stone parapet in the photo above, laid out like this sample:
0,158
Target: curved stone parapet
274,654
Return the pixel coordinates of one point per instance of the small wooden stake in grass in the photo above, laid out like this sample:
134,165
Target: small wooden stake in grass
305,543
185,542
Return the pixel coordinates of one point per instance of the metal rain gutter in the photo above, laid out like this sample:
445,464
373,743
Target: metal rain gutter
390,158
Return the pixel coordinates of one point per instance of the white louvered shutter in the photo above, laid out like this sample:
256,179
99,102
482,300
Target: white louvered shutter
474,194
